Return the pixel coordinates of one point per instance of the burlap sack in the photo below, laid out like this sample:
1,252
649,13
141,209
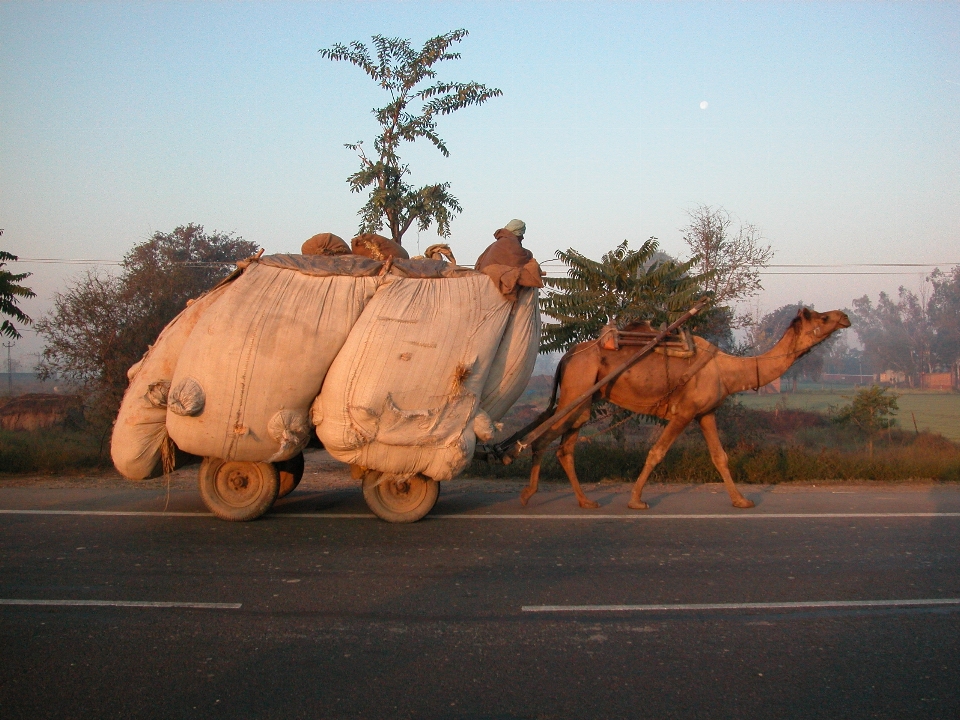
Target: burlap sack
325,244
377,247
248,373
516,356
140,434
403,395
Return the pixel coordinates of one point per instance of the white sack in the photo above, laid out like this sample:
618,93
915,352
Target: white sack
403,394
140,430
516,356
245,380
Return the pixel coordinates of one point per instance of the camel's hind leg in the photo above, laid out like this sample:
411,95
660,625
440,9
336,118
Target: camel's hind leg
565,456
656,454
708,424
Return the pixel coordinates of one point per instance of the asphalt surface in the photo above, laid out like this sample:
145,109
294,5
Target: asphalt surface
320,611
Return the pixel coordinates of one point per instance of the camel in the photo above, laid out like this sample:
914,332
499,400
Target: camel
675,389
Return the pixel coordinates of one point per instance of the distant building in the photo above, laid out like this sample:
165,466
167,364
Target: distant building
893,377
938,381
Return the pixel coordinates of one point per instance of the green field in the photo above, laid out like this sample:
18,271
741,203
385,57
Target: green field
937,412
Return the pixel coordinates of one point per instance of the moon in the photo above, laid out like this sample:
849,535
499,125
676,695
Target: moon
704,105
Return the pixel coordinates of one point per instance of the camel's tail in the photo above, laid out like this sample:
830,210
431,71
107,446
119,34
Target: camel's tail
557,377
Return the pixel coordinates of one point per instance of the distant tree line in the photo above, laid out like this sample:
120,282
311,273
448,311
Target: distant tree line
912,333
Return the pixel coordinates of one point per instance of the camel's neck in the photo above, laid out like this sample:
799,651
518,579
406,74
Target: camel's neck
757,371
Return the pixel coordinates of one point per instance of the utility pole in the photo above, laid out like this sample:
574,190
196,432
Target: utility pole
9,345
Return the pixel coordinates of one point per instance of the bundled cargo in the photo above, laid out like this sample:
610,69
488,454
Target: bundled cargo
516,356
514,271
402,400
403,393
247,374
256,360
416,360
140,437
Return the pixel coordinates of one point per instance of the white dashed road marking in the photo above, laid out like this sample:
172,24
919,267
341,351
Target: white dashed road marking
124,604
810,604
510,516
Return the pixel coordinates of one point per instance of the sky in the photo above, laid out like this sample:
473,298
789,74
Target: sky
830,126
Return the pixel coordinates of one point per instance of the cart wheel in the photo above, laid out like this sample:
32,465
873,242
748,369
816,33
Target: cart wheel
239,491
399,499
291,473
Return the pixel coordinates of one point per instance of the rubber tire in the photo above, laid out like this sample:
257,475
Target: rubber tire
291,473
389,503
220,495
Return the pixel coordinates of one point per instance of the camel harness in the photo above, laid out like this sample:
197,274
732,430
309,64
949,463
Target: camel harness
504,449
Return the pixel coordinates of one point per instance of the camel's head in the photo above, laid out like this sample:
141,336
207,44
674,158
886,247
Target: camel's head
813,327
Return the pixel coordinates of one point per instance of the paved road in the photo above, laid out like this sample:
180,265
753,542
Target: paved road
317,611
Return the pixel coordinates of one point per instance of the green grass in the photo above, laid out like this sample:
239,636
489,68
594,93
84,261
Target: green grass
937,412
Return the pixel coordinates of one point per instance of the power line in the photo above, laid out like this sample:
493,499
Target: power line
809,268
843,265
551,266
819,274
70,261
847,272
836,265
67,261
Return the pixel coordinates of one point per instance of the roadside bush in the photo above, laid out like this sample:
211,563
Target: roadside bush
51,451
762,447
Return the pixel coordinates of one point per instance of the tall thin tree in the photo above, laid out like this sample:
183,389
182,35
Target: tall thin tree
408,76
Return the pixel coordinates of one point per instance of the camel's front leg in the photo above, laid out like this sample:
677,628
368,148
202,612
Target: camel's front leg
656,454
539,448
708,424
565,456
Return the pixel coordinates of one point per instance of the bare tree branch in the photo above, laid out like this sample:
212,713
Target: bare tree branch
734,256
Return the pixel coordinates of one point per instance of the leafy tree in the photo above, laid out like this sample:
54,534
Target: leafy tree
841,358
944,313
625,286
408,76
160,275
10,291
764,333
910,333
895,334
84,333
870,410
104,323
716,325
